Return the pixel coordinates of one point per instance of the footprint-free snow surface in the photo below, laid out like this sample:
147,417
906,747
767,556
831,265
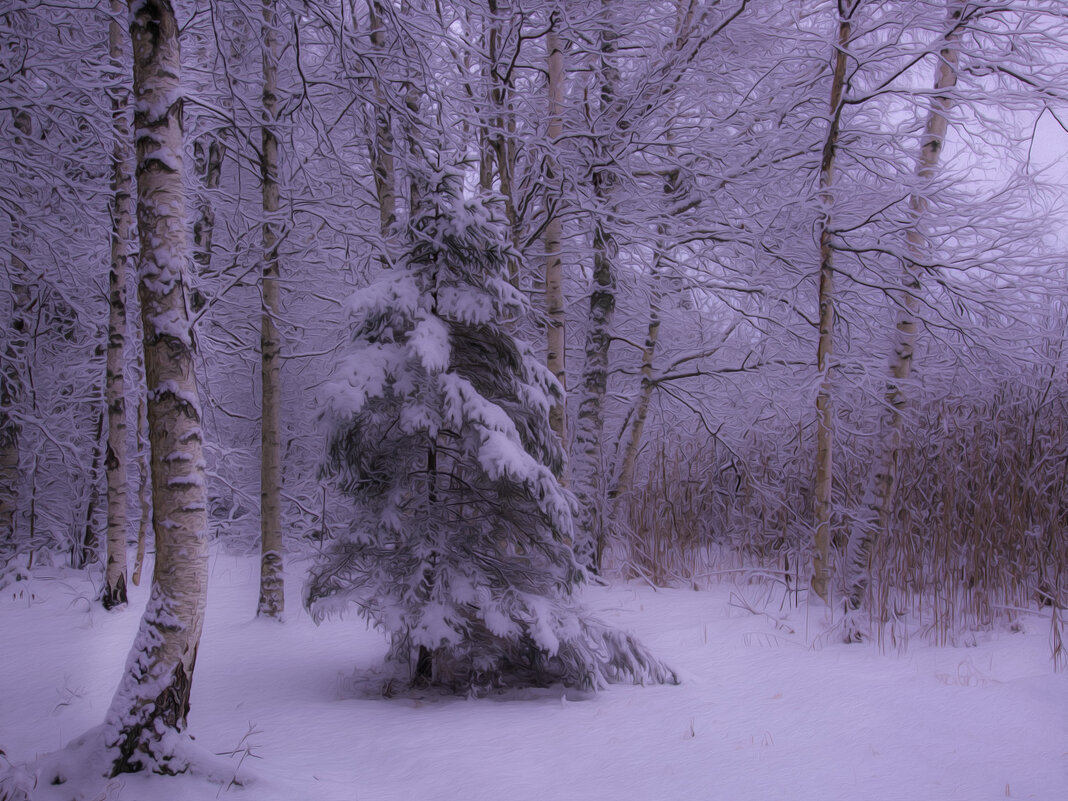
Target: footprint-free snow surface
768,708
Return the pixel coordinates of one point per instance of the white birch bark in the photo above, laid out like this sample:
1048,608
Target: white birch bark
209,153
114,593
891,434
153,695
628,457
144,488
821,568
589,428
272,597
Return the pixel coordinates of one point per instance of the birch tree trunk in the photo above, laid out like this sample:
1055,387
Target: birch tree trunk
11,392
498,150
153,695
144,450
114,593
12,384
272,598
589,431
628,458
821,572
623,474
144,489
208,154
891,434
85,550
410,121
556,330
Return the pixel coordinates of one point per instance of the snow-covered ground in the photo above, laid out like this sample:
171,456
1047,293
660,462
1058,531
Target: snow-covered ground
767,708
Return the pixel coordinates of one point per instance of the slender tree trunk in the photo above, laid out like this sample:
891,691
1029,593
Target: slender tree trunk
410,119
484,94
85,551
424,660
498,148
114,593
144,468
12,366
623,474
589,431
144,489
11,393
208,154
272,597
382,165
153,695
556,331
628,458
891,433
821,573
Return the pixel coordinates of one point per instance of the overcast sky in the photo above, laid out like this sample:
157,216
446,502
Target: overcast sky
1051,144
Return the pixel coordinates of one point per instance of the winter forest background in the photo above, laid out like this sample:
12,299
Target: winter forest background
454,312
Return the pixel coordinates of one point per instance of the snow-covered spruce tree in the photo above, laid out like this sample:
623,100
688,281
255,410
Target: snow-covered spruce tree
440,435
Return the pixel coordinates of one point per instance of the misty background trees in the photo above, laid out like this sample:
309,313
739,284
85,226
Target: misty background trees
796,266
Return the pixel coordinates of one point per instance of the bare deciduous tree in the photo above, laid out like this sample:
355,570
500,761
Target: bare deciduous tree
821,570
272,597
114,593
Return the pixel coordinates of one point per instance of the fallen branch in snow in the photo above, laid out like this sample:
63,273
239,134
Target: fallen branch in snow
244,749
738,602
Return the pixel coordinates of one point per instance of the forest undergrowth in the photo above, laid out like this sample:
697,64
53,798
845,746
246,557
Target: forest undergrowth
979,537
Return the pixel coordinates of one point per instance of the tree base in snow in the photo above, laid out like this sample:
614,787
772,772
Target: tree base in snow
84,768
114,597
592,657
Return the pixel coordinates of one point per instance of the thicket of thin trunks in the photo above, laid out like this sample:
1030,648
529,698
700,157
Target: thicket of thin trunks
980,534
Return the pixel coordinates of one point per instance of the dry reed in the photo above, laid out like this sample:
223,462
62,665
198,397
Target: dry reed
979,535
